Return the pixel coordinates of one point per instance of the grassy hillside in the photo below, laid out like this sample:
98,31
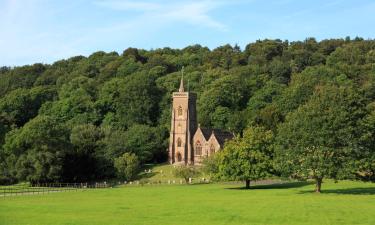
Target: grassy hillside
162,173
340,203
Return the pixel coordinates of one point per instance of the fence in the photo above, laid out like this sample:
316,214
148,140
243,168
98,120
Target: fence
46,188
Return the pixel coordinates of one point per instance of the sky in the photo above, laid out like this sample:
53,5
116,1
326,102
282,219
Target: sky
44,31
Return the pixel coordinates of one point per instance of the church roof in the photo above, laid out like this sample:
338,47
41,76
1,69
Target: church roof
206,132
220,135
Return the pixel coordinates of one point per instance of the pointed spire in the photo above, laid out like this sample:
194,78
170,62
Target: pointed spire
182,81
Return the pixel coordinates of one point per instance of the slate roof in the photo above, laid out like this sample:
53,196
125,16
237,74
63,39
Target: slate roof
220,135
206,132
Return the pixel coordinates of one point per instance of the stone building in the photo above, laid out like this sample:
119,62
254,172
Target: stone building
189,143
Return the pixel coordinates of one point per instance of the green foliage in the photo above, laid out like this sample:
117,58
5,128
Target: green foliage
130,100
21,105
227,91
263,51
20,77
109,104
319,140
36,151
85,162
186,172
211,166
144,141
248,158
127,166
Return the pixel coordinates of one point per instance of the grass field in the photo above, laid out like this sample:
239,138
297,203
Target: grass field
340,203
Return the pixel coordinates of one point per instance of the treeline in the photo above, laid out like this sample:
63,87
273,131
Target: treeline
70,121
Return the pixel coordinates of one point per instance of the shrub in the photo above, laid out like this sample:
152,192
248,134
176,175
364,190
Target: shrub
127,166
186,172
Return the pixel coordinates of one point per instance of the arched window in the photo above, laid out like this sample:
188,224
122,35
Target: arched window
198,148
179,111
212,149
179,157
179,128
179,142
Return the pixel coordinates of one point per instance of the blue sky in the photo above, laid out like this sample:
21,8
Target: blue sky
47,30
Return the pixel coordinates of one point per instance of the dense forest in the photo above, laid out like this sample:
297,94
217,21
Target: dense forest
69,121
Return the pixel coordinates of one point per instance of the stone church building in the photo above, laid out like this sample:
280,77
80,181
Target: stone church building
189,143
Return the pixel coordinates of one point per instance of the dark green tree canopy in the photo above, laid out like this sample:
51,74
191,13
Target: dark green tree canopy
70,120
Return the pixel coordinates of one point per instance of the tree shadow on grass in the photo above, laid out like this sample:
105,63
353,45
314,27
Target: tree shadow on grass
275,186
348,191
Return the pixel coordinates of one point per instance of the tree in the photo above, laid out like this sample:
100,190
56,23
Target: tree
126,99
248,158
127,166
85,138
229,92
84,162
36,152
21,105
20,77
319,140
211,166
144,141
366,160
262,51
131,100
185,172
220,117
114,142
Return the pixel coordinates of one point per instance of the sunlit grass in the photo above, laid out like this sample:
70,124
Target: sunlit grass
345,202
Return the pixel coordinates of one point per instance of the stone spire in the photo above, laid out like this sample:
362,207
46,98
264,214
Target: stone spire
181,89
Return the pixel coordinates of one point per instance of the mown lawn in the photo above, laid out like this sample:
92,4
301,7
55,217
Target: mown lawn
340,203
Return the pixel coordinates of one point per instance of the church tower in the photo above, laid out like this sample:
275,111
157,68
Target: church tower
183,126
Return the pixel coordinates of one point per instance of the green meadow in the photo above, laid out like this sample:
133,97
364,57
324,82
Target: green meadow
346,202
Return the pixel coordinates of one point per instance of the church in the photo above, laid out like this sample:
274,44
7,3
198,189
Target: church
189,143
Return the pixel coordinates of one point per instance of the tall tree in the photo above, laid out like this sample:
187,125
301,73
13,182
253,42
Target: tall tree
36,151
320,138
248,158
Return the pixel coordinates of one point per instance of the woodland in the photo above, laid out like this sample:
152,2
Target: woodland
301,109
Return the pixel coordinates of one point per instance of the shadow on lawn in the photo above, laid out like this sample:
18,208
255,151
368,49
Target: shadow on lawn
275,186
348,191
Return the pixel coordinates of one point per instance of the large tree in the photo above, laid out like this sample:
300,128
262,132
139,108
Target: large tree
248,158
36,151
320,139
84,163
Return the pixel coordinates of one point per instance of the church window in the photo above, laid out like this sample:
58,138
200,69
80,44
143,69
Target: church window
179,142
198,148
179,111
212,149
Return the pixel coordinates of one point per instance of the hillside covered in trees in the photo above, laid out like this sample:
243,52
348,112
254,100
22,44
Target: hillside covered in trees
70,120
